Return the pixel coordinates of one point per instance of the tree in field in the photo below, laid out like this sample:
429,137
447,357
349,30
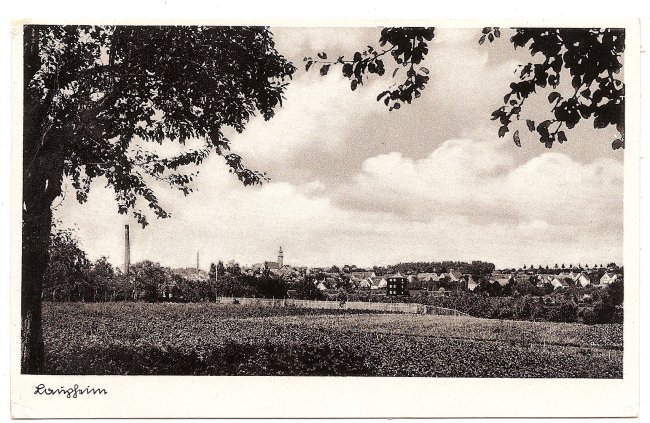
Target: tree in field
221,270
67,273
232,268
99,100
606,309
212,274
480,268
150,278
102,280
306,289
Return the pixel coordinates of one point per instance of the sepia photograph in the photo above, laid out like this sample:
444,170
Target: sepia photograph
404,202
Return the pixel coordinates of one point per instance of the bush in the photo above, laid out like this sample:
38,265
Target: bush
564,312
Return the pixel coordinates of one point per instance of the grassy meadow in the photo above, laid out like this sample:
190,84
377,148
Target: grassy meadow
212,339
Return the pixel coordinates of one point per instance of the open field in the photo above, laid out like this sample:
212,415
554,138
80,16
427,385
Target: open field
210,339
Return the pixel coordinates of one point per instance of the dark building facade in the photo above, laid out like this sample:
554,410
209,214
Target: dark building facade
396,285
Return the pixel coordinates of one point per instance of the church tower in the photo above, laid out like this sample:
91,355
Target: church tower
280,258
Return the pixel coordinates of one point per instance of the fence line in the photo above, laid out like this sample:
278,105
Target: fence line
407,308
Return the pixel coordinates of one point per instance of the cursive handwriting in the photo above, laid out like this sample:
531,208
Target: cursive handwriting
73,392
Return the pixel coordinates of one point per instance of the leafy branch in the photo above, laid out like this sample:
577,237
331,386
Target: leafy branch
592,58
407,47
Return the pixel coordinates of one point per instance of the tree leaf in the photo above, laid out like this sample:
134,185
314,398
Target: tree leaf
516,139
553,96
324,69
481,40
561,136
531,125
502,131
618,143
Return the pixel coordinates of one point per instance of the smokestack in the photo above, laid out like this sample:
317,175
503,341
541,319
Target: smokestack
197,260
127,251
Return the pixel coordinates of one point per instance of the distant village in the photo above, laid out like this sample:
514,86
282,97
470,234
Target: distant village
593,294
440,278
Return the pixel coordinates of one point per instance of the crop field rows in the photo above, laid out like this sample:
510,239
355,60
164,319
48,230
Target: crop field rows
210,339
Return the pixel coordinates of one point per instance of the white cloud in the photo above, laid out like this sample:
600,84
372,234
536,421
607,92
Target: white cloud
548,196
316,115
466,200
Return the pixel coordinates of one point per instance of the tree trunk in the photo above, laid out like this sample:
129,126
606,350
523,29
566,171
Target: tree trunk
36,233
42,177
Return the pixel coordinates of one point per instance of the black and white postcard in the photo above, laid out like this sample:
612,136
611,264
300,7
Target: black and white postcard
428,219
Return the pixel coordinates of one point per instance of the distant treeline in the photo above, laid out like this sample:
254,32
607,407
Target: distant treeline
476,267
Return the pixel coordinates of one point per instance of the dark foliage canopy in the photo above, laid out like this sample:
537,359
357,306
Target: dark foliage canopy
593,60
110,94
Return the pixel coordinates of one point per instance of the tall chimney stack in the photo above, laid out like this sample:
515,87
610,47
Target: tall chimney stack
127,251
197,260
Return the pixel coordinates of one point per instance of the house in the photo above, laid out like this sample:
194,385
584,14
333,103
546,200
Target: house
582,279
522,278
502,279
321,286
429,277
362,275
544,278
396,285
558,283
377,282
608,278
472,283
454,275
271,265
364,284
284,271
383,283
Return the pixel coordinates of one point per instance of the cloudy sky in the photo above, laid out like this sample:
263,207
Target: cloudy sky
352,183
